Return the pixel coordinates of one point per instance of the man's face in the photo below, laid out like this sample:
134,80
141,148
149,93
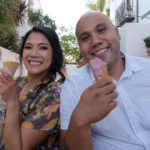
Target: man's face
97,37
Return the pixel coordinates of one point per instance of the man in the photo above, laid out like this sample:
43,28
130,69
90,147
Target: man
112,113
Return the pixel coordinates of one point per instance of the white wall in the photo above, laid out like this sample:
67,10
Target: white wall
132,35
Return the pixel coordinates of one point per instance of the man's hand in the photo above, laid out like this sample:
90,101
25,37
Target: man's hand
96,102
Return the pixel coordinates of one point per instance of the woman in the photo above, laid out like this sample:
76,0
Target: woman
32,114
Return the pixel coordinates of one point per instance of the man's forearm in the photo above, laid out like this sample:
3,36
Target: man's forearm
77,137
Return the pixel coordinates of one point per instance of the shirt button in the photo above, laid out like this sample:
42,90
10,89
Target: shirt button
137,131
128,108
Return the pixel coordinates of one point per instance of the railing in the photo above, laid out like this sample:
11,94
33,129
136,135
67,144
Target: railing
124,13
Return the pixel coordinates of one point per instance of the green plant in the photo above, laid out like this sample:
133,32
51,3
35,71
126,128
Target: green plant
8,38
37,18
69,44
147,42
8,17
108,12
21,11
98,5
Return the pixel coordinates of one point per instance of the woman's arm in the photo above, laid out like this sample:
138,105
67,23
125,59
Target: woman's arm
1,127
12,132
17,137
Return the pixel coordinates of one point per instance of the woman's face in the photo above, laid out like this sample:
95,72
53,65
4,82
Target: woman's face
37,54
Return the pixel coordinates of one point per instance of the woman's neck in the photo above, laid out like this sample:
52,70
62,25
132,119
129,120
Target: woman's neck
34,79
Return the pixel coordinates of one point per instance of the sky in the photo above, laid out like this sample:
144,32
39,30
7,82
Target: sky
64,12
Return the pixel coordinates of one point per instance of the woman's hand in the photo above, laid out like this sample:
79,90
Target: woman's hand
8,88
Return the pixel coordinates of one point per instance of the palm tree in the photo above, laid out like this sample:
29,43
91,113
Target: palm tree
37,18
99,5
19,18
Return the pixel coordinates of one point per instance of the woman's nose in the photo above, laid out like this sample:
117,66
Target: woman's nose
34,52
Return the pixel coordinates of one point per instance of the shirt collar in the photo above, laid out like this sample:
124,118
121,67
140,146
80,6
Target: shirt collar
130,65
23,80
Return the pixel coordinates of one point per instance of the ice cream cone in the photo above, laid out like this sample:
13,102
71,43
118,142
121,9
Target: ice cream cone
10,66
104,73
99,68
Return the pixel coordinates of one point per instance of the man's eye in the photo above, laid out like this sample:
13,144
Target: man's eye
101,30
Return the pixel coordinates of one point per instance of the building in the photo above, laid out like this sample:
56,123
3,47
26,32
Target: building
31,4
132,17
125,11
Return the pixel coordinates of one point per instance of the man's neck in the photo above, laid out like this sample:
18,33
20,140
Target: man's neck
116,71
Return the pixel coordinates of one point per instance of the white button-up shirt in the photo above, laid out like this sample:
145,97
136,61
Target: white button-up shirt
127,127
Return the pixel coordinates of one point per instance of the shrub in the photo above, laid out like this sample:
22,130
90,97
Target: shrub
147,42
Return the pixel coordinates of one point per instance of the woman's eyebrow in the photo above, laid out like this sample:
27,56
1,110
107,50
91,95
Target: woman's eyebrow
43,43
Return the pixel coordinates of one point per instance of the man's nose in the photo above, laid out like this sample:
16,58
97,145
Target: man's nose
96,40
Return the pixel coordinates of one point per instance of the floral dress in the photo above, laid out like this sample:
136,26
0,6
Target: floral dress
40,110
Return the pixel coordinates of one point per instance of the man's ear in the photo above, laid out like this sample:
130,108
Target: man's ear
117,32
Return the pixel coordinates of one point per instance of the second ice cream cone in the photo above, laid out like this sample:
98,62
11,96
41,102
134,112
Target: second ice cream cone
11,66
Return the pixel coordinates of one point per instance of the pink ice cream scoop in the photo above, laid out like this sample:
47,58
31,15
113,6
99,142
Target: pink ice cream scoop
99,68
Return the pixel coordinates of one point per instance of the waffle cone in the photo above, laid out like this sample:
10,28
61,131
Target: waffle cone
11,66
104,72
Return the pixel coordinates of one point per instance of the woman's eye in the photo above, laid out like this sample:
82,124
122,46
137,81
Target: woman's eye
43,48
27,47
84,38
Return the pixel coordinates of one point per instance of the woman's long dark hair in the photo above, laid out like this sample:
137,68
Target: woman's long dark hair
57,57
